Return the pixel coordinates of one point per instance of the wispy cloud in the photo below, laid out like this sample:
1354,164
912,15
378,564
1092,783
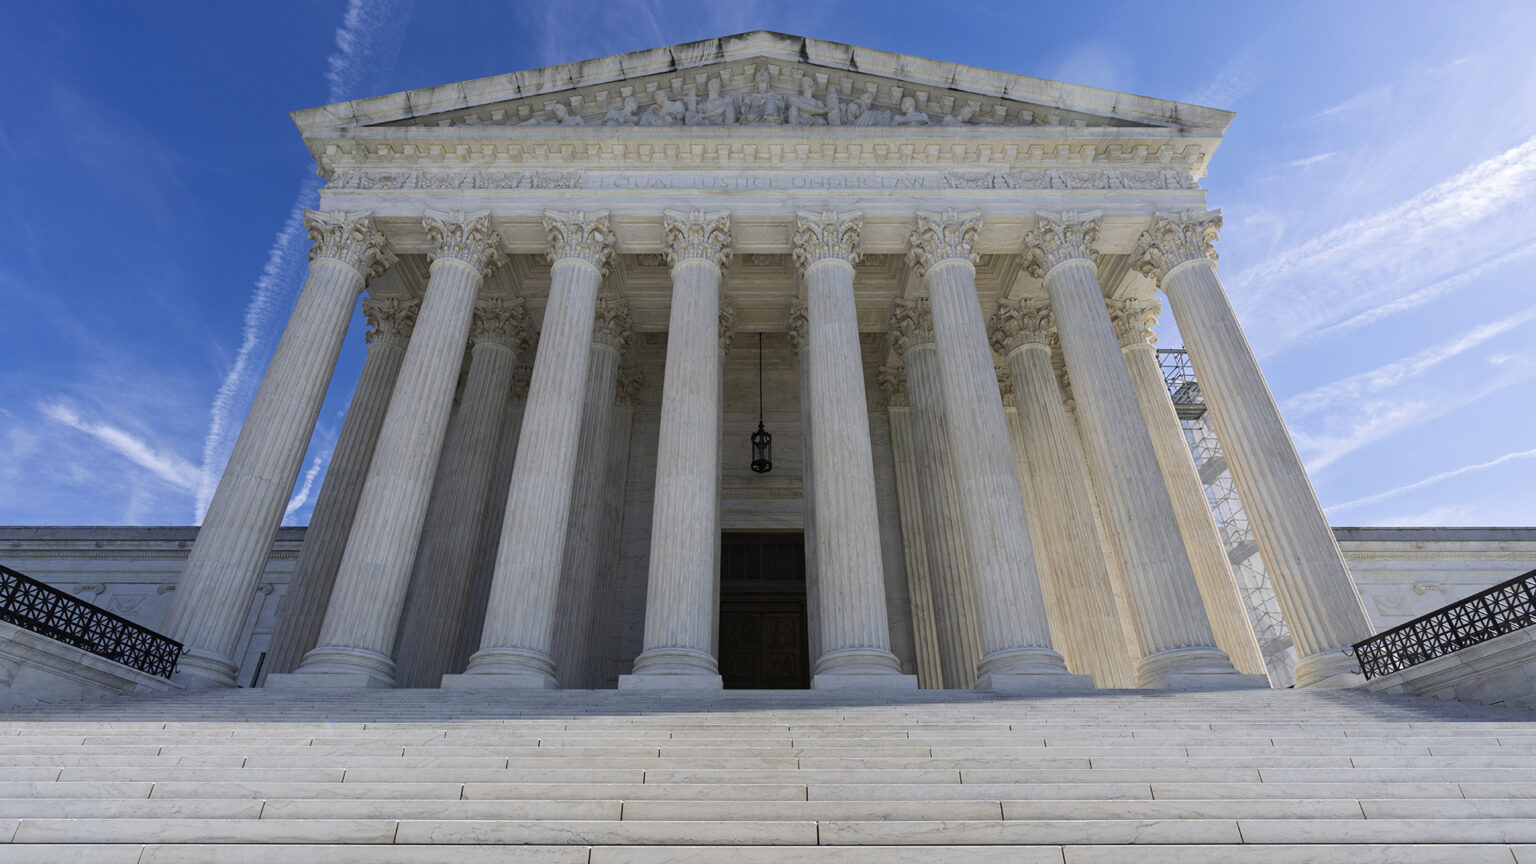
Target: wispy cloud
162,463
1237,78
1309,161
301,497
1516,456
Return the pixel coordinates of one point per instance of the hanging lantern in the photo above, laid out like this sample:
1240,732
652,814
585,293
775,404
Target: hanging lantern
762,442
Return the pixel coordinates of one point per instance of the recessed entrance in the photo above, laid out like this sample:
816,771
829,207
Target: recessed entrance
762,612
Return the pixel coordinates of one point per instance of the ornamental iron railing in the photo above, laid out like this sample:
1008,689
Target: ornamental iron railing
1504,608
46,610
1188,402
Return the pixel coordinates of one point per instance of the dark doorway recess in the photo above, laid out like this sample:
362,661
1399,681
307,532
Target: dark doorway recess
762,612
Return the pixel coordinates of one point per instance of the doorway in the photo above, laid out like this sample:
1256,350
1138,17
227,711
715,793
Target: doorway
763,642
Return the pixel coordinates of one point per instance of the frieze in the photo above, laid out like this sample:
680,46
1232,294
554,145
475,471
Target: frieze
1045,179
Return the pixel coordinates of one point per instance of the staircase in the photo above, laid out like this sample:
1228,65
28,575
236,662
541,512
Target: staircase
783,776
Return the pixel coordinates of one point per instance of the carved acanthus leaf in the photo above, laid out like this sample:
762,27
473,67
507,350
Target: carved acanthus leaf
1061,237
1021,322
1175,238
502,321
1135,320
697,234
826,235
799,325
583,236
348,237
466,237
727,325
627,388
1004,384
611,324
911,324
522,377
942,236
390,320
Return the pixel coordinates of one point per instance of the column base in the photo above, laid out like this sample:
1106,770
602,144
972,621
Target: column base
1195,668
339,666
676,661
865,683
1028,660
326,681
858,662
664,683
1044,684
1329,670
200,669
510,663
499,681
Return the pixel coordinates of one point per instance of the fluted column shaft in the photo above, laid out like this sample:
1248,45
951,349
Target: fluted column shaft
1171,625
518,635
213,595
428,641
800,340
1197,525
1317,596
930,670
314,573
1064,502
363,615
1010,607
681,606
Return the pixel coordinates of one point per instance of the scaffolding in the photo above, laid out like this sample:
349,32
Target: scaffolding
1259,599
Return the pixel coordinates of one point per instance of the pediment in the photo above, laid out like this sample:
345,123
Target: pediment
757,81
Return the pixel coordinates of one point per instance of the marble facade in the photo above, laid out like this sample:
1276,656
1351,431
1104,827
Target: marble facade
905,234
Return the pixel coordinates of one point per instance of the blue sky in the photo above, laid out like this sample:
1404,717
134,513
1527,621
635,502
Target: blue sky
1378,185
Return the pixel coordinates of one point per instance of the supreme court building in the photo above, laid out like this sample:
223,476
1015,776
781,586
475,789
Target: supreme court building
936,286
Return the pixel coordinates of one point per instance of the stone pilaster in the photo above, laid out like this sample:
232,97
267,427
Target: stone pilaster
360,624
681,597
427,645
800,341
314,573
1134,321
518,633
943,537
1010,608
1177,646
1317,596
588,537
1021,331
214,593
930,670
855,633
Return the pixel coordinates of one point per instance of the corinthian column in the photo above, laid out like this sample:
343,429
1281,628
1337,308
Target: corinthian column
681,606
1021,331
517,639
800,340
1317,596
1010,608
214,593
433,617
314,574
358,634
588,537
930,671
1177,646
1134,321
855,635
942,521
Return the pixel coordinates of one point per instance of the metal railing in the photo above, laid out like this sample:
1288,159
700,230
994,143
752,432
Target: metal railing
43,609
1504,608
1188,402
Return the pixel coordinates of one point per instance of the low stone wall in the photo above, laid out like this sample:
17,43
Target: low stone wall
1403,573
1501,671
37,670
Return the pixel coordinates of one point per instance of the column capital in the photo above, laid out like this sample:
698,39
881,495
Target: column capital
799,325
911,324
466,237
611,324
697,234
627,388
390,320
501,321
1061,237
1135,320
522,377
727,325
830,235
892,381
1176,238
349,237
1005,385
1021,322
943,235
580,235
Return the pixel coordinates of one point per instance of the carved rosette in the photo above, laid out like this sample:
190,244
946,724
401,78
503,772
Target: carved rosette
583,236
611,324
727,326
697,234
348,237
502,321
1175,238
1021,322
627,388
799,325
942,236
892,381
911,324
390,320
466,237
826,236
1062,237
1135,320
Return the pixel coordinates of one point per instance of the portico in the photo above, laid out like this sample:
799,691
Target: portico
905,234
